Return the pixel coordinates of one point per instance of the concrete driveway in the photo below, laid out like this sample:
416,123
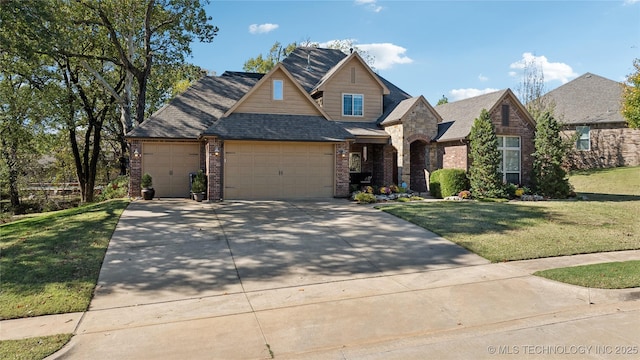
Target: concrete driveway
326,280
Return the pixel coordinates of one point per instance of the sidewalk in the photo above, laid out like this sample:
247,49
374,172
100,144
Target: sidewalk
68,323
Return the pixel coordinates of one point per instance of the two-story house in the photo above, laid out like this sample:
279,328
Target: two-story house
318,125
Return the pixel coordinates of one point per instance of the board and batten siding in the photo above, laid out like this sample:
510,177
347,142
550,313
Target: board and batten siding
261,99
353,78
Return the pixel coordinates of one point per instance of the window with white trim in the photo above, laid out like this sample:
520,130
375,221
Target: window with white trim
352,104
278,89
584,138
509,147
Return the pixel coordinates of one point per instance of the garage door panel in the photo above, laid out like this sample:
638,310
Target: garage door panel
278,170
170,164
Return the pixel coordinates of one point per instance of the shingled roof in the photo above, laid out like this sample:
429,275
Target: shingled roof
308,64
192,112
588,99
462,114
246,126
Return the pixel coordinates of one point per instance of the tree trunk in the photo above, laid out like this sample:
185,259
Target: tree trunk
9,152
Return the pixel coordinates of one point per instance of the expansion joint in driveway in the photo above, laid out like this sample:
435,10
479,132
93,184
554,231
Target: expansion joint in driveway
244,291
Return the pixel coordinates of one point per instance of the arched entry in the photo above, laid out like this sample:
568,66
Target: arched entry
418,162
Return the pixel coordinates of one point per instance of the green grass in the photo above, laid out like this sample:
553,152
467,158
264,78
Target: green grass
614,275
614,181
32,348
50,263
607,221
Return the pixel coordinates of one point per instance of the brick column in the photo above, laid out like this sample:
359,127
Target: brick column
388,164
214,169
135,168
342,170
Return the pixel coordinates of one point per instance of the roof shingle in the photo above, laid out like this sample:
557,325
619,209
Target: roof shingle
275,127
588,99
192,112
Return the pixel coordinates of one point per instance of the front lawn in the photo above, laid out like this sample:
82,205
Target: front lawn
32,348
517,230
50,263
614,275
529,230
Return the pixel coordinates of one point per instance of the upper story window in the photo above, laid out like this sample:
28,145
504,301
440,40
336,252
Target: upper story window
352,104
584,138
278,89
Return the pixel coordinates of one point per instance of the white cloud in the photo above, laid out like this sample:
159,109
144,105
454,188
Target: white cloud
386,54
460,94
262,28
630,2
482,78
370,5
551,70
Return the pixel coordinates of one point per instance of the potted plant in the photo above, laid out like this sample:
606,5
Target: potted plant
198,186
147,187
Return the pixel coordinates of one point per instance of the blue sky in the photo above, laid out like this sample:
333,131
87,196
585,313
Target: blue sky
453,48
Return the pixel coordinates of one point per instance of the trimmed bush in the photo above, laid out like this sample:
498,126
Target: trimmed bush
365,198
448,182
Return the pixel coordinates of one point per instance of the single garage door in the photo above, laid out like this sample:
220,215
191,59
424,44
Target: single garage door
170,164
278,170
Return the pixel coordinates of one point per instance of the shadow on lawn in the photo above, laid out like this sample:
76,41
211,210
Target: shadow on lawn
472,218
609,197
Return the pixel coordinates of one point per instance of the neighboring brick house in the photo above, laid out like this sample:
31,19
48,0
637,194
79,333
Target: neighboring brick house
319,124
514,127
589,107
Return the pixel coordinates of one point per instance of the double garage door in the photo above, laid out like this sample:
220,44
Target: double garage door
169,164
278,170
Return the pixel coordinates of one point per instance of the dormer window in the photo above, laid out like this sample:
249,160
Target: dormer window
352,104
278,89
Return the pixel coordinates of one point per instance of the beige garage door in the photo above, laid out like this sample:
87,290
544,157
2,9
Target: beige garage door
275,170
170,164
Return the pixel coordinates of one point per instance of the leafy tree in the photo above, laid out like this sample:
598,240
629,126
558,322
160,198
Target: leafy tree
263,64
485,179
142,33
550,178
443,101
631,97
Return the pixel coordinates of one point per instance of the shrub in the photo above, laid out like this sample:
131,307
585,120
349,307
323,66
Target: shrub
198,185
365,198
550,178
147,181
448,182
486,180
116,189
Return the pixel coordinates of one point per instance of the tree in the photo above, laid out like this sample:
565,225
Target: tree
264,64
631,97
23,88
531,90
144,32
549,176
443,101
485,179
